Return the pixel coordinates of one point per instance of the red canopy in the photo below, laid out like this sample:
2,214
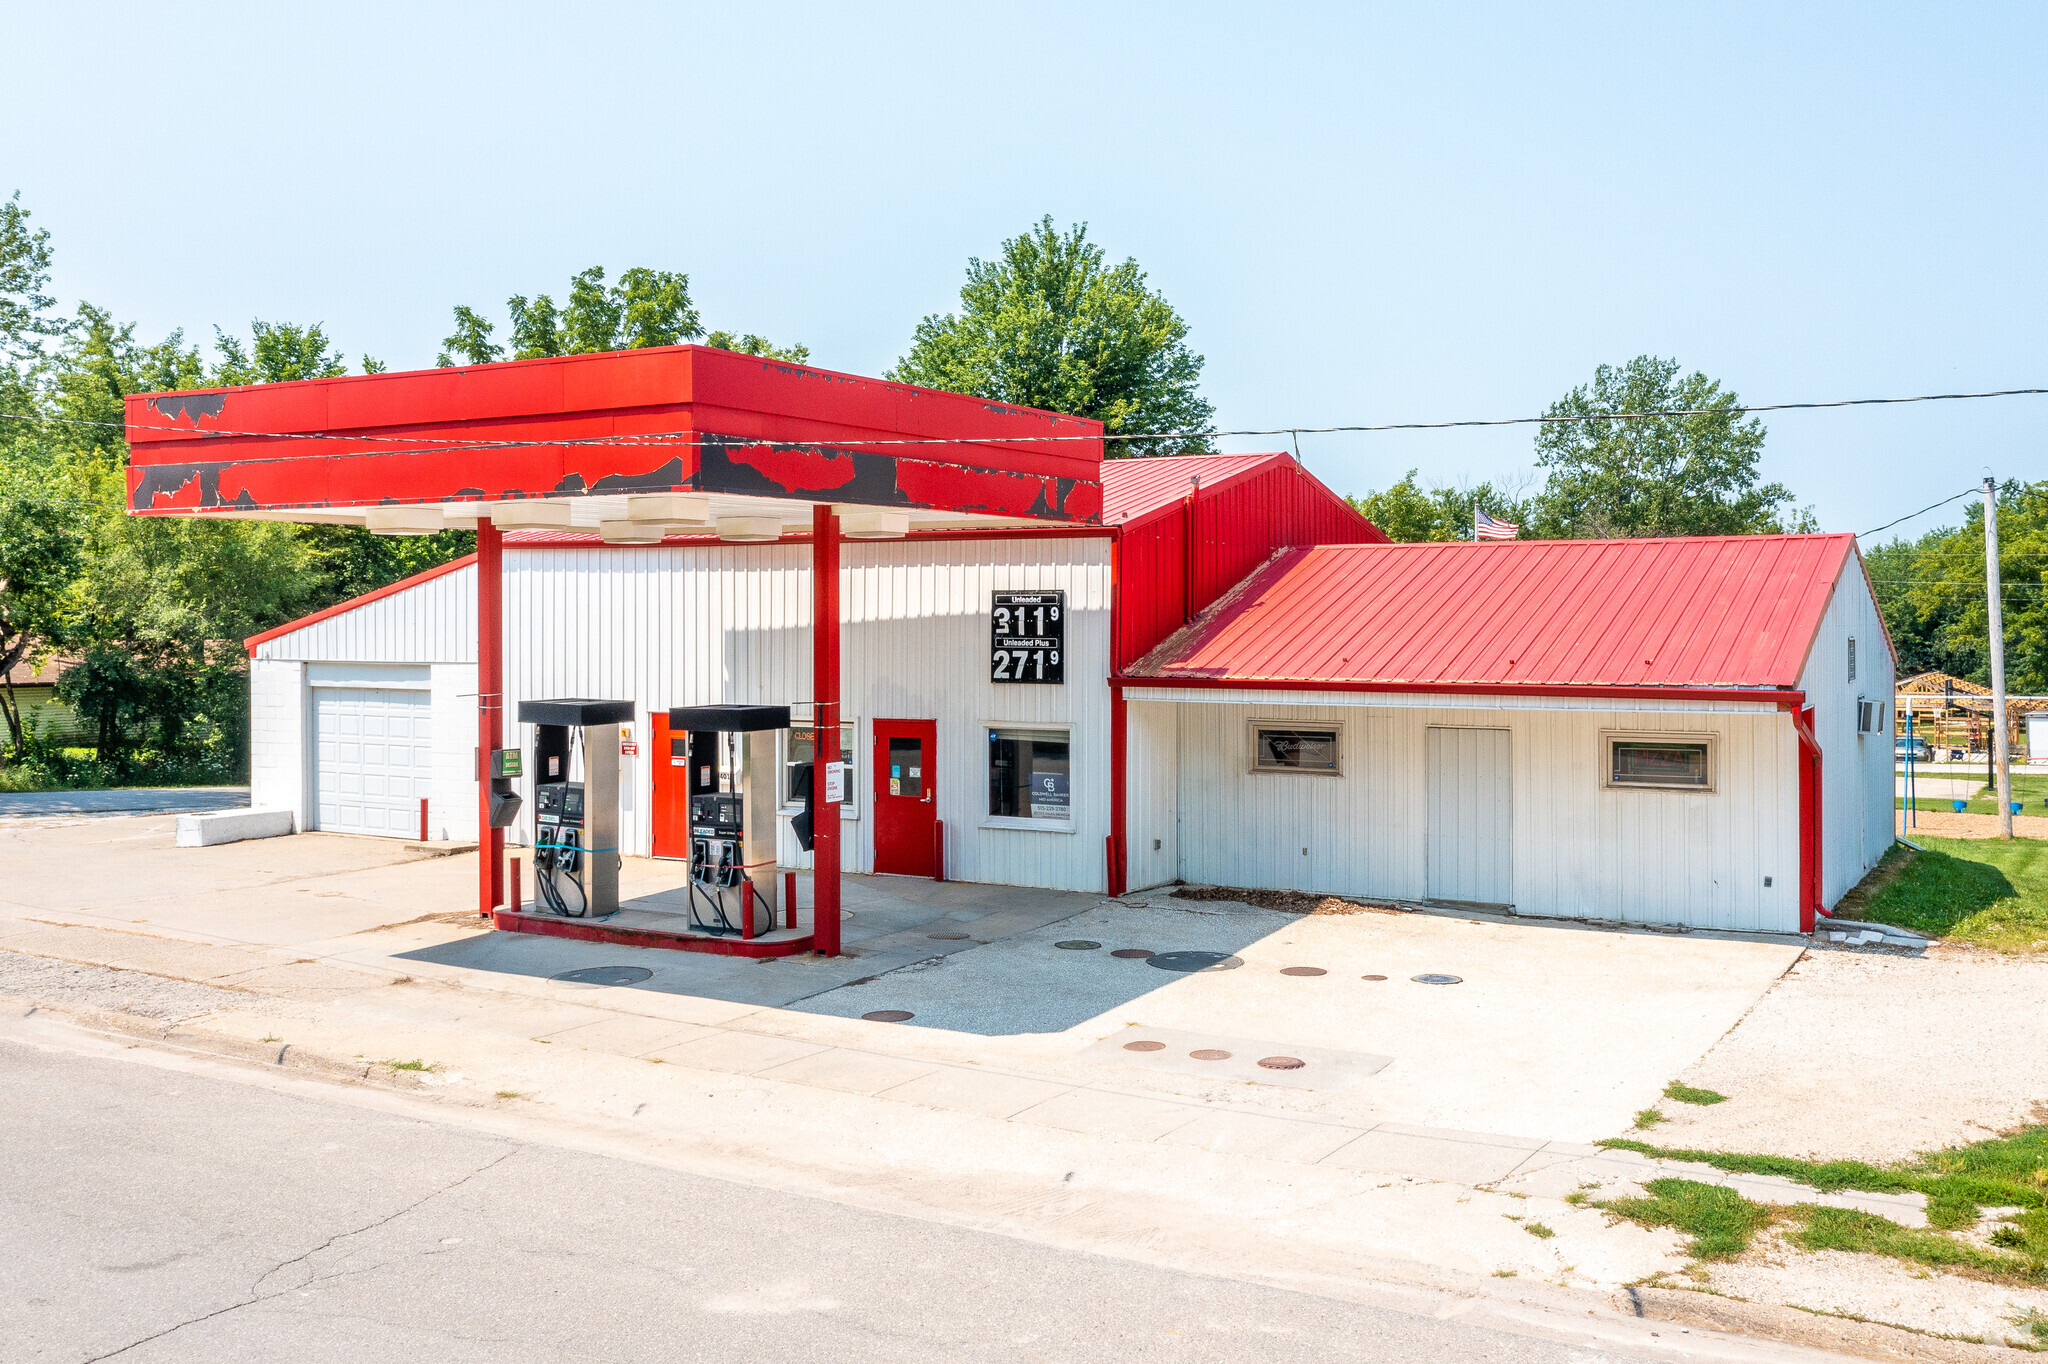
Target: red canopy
672,419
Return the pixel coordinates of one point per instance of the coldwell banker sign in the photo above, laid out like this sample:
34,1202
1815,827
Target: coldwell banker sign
1029,637
1049,795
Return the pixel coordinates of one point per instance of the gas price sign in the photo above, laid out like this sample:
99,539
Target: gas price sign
1029,632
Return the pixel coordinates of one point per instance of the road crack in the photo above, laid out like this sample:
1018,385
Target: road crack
257,1293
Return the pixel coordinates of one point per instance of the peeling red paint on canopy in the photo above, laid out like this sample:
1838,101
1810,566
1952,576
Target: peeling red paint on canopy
675,418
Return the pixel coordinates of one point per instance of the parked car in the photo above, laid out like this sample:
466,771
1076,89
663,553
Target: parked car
1915,749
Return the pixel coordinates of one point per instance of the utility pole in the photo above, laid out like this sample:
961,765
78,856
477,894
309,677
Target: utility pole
2000,745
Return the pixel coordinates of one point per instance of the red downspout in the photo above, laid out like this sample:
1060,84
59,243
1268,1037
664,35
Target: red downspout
1810,847
825,714
490,709
1119,864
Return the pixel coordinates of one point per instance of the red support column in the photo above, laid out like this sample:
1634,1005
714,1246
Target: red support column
490,710
825,714
1118,872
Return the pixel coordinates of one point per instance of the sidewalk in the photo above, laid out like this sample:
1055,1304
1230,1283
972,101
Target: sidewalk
342,957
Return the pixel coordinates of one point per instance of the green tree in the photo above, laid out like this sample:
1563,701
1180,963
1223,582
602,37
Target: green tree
471,340
25,301
644,308
1657,475
1407,511
1931,593
278,353
1050,324
750,344
41,555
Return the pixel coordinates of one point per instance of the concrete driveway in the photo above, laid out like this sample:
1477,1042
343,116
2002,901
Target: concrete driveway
1551,1030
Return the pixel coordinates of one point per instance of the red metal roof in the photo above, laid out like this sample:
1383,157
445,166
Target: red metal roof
1133,489
1725,611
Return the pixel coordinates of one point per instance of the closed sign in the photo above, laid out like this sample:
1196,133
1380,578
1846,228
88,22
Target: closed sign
1028,641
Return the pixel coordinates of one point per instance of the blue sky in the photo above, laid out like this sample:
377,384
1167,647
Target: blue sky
1366,214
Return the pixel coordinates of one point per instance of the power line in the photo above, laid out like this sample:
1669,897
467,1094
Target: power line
1922,512
686,438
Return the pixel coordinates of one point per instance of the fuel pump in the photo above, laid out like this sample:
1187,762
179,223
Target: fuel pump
576,823
732,792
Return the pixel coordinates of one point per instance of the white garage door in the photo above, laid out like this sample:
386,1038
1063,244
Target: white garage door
1471,816
372,759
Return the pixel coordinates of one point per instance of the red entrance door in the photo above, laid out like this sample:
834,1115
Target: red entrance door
668,756
905,813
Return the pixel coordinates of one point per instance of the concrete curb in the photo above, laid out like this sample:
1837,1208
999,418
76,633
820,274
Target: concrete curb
1791,1326
281,1054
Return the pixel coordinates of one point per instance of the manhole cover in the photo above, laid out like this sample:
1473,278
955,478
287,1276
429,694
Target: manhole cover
947,937
1132,953
1282,1062
1372,977
606,975
889,1016
1210,1054
1078,945
1303,971
1194,961
1144,1046
1437,980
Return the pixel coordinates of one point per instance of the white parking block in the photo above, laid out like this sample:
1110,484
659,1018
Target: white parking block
231,826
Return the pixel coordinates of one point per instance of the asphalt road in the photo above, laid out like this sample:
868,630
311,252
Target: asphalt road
153,1215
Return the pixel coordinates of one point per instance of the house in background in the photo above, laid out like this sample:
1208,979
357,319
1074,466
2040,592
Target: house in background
34,689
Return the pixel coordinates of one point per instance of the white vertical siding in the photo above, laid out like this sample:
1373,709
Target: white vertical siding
1152,791
701,625
431,622
277,738
451,808
1581,849
916,646
1858,814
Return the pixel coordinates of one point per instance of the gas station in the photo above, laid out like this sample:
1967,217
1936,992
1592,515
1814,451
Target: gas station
636,447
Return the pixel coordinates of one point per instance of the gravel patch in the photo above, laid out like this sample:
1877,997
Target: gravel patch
1891,1292
1876,1056
64,984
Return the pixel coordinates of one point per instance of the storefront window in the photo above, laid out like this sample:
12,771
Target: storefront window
802,748
1028,775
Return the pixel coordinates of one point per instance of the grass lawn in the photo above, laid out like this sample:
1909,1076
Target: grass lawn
2030,789
1977,890
2009,1171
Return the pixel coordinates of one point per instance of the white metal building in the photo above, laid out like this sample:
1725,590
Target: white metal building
1601,729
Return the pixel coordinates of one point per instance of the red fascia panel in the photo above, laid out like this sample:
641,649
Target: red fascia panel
1735,611
341,608
716,422
526,539
1247,506
1780,698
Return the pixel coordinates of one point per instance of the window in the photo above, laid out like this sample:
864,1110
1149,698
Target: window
1659,762
1028,775
801,746
1852,658
1295,748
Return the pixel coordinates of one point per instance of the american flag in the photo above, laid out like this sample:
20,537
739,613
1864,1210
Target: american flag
1485,527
